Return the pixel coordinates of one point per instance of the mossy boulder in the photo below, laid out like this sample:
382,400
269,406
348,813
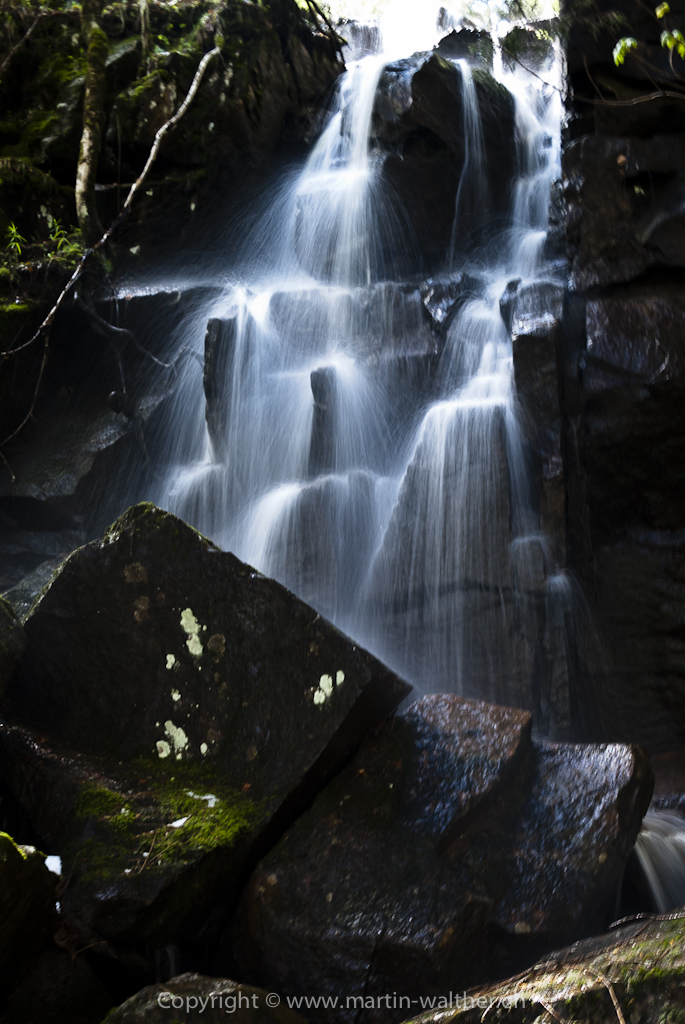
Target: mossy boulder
173,702
635,974
12,642
27,898
450,850
200,1000
150,849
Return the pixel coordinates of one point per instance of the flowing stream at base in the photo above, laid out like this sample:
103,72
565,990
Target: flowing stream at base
383,481
660,850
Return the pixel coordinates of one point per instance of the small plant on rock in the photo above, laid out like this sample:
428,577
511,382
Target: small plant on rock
14,242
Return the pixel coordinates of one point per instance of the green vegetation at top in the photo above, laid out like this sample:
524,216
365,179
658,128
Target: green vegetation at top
672,39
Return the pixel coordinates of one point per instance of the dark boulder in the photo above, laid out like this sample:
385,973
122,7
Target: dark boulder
419,126
625,199
222,704
200,1000
12,642
449,850
58,988
27,897
669,781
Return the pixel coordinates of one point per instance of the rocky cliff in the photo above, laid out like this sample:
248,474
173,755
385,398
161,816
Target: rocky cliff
621,371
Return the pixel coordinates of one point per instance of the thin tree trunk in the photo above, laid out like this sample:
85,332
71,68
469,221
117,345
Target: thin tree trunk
95,42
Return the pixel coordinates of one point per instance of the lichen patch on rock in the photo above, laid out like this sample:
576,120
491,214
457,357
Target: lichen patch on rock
192,627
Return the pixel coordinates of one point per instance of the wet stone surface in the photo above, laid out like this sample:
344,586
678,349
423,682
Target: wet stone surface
450,849
12,642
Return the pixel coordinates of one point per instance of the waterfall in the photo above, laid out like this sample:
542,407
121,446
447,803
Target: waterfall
471,192
382,478
660,850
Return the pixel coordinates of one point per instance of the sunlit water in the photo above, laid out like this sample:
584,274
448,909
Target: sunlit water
394,498
660,849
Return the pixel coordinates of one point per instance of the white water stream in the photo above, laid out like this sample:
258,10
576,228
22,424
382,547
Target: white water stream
399,509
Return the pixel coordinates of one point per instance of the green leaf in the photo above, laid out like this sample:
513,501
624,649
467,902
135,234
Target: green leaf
624,45
662,10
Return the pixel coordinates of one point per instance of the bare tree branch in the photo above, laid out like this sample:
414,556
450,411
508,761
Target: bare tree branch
17,45
47,322
610,989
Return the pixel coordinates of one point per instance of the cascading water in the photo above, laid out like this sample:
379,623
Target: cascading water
395,501
660,851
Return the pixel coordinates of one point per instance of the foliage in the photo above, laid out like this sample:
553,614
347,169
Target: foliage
674,39
671,39
621,49
14,241
61,250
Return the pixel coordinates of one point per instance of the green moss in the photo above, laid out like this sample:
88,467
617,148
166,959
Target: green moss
646,971
38,125
8,847
97,802
64,68
139,87
14,309
128,828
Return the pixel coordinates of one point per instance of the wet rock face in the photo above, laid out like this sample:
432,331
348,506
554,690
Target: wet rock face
536,353
625,200
622,381
201,1000
419,129
219,367
449,849
12,642
222,704
626,483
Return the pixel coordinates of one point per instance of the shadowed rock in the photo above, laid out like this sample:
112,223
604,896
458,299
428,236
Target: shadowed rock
625,199
183,698
535,341
449,850
636,969
322,445
12,642
625,438
27,897
201,1001
216,380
